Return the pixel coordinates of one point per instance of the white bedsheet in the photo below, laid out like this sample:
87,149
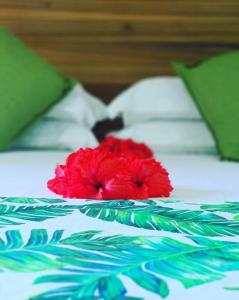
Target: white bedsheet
194,177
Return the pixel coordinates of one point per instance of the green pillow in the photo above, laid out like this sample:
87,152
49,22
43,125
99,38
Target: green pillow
28,87
214,85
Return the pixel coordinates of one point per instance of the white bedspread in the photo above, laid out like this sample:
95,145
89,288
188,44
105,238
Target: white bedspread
194,177
41,242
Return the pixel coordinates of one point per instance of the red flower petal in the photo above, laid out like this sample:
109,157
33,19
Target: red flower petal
127,146
58,186
150,178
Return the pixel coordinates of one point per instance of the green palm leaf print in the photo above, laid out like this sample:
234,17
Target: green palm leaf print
235,288
89,265
33,255
157,217
30,200
230,207
40,252
147,215
144,260
10,215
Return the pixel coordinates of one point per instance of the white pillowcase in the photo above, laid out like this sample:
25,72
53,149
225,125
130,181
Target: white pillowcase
79,106
172,136
67,125
56,135
154,98
160,112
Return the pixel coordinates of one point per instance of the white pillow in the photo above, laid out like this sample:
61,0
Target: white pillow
67,125
79,106
172,136
60,135
154,98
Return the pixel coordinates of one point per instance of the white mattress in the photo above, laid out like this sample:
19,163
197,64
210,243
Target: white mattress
194,177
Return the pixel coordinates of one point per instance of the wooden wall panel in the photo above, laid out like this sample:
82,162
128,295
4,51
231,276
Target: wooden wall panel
115,42
162,25
116,64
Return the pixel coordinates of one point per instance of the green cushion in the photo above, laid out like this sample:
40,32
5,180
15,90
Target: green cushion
28,87
214,85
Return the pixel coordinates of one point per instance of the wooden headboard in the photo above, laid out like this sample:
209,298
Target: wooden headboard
108,44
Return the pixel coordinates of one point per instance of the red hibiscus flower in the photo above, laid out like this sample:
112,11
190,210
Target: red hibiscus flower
116,145
149,179
99,174
92,174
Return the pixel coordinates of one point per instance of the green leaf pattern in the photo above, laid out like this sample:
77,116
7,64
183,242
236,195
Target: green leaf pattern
153,246
156,217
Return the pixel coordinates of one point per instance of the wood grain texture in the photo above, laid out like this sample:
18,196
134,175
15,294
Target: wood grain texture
115,42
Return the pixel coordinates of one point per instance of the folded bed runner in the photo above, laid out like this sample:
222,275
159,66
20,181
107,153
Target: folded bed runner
60,249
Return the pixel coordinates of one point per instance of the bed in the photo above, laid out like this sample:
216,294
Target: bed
182,247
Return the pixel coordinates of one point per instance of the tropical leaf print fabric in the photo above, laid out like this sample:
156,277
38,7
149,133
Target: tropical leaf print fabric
162,249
